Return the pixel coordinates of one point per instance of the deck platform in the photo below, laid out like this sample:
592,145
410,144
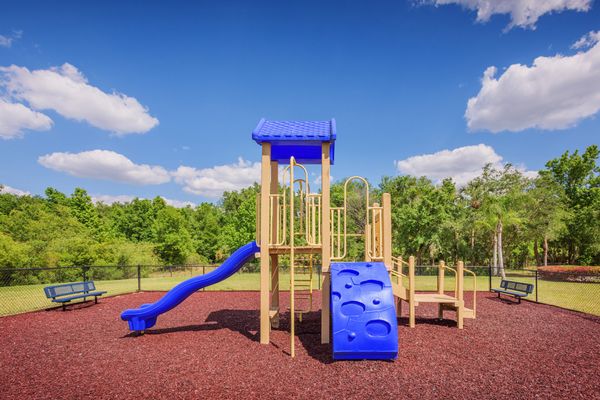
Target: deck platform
313,249
434,298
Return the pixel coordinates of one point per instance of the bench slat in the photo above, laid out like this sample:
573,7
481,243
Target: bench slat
79,296
516,286
69,289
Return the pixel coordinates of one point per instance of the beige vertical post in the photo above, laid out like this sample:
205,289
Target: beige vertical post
368,240
411,291
257,222
440,279
401,284
265,182
459,294
292,262
274,257
440,287
387,231
325,242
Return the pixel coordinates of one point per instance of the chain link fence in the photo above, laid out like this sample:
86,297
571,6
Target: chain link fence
21,290
569,288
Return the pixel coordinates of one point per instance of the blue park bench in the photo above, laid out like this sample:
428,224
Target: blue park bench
71,291
515,289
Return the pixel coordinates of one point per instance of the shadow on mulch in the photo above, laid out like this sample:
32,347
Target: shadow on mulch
72,306
244,322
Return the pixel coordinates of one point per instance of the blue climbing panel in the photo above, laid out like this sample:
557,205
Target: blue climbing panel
363,312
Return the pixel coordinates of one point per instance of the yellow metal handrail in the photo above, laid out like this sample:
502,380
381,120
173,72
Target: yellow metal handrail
292,260
309,218
474,290
375,237
339,241
455,278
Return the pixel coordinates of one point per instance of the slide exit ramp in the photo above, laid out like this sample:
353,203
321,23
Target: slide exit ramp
363,312
145,317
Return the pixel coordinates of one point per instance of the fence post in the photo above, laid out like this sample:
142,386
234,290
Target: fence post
84,272
537,288
139,277
490,278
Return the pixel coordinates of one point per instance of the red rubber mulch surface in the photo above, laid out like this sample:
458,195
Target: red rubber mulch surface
208,348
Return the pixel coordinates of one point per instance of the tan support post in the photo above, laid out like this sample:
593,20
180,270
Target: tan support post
387,231
440,287
459,294
265,278
292,263
325,242
257,222
411,291
274,257
401,285
440,279
368,240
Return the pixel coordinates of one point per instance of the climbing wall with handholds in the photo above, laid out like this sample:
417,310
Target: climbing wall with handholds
363,312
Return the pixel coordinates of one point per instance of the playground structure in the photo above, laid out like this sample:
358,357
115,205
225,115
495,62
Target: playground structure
360,300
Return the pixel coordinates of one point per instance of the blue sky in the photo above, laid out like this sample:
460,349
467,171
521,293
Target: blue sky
146,99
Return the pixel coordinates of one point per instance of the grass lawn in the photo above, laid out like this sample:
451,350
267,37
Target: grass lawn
583,297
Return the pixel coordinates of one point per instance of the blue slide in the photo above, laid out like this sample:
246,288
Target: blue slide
363,312
145,317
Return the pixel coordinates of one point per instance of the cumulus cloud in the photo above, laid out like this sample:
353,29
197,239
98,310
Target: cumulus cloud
461,164
587,41
111,199
107,165
66,90
15,118
125,198
523,13
212,182
7,40
554,93
11,190
178,203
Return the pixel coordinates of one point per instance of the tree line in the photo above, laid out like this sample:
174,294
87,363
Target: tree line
501,218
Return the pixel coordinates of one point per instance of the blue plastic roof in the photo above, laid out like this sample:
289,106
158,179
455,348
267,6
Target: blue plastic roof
301,139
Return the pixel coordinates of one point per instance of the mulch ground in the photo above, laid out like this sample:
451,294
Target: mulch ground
208,348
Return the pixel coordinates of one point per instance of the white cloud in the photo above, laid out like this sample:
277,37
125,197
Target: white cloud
125,198
523,13
178,203
7,40
554,93
11,190
587,41
461,164
65,90
107,165
212,182
110,199
15,118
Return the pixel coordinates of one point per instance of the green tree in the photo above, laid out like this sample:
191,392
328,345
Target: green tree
499,195
579,176
173,241
546,213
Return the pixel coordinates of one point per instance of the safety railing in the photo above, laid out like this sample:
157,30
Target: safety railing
338,234
339,224
474,290
374,237
307,213
441,289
